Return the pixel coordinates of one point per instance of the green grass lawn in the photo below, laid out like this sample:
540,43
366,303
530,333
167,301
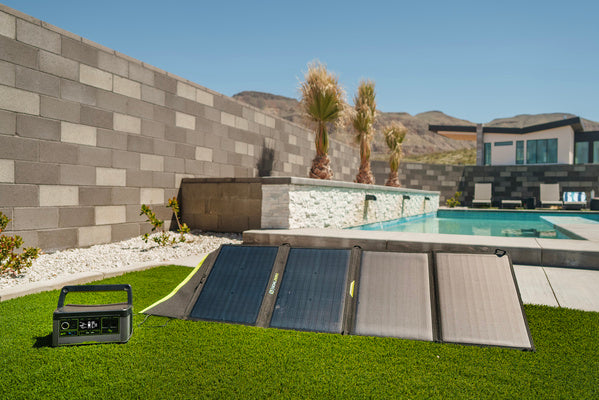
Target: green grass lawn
186,359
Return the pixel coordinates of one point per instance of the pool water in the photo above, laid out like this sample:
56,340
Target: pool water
479,223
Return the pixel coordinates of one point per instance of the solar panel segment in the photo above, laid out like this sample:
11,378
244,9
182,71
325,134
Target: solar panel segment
394,296
235,287
479,302
312,292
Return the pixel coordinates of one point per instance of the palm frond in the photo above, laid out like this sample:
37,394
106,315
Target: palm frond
322,98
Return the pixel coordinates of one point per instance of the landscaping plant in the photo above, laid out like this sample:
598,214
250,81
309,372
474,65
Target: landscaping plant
362,120
323,103
163,239
395,134
11,262
453,201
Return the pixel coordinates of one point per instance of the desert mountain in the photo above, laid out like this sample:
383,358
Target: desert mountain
419,139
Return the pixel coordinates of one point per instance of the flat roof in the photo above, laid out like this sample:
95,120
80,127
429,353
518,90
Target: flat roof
575,122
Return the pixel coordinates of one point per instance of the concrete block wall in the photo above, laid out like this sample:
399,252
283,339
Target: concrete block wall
88,134
509,182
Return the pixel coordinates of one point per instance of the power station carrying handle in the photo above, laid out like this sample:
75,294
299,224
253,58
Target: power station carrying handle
95,288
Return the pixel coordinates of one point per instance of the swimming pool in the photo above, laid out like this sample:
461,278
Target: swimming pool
481,223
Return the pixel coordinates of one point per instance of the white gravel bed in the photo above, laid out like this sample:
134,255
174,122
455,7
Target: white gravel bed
116,255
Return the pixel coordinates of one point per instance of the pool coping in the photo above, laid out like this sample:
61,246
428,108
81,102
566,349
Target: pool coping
582,254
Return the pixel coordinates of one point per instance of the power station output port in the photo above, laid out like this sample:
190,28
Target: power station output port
65,325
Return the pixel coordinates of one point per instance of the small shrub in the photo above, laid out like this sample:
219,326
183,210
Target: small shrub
454,201
163,238
10,262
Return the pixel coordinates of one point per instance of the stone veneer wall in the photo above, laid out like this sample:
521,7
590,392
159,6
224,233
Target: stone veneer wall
88,134
291,203
509,182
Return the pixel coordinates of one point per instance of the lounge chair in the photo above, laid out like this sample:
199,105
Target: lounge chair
575,200
550,195
482,194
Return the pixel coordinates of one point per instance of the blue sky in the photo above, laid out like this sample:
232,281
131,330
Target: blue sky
476,60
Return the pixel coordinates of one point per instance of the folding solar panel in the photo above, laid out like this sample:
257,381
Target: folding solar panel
235,287
312,292
395,296
479,302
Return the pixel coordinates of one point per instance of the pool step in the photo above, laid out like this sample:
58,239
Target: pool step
582,228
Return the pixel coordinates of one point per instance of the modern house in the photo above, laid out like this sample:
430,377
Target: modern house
558,142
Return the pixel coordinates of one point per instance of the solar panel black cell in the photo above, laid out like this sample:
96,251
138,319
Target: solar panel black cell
312,291
235,287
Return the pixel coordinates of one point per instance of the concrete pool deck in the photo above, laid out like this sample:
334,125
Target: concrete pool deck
551,286
523,251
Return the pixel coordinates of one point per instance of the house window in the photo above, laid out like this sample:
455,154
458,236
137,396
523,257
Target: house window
596,152
581,153
504,143
552,151
541,151
520,152
487,153
531,152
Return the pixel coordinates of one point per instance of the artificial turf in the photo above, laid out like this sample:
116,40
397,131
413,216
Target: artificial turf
187,359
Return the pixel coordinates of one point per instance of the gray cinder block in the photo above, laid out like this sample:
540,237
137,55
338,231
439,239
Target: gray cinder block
37,36
35,218
36,173
38,82
55,239
38,128
15,195
18,53
77,175
77,92
57,65
75,216
78,51
60,109
16,148
96,117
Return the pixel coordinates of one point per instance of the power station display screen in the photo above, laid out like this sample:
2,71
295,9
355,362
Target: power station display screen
89,326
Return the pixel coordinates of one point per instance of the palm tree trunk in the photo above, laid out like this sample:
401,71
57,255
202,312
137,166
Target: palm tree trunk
320,165
393,179
364,173
321,168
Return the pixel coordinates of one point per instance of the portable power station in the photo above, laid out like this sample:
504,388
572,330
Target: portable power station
95,323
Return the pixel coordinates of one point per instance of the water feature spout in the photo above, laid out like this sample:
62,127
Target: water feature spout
404,197
367,200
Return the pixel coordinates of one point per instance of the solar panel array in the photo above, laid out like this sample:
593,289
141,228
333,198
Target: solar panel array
444,297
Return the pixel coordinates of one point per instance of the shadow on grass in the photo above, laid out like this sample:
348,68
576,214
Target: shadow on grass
43,341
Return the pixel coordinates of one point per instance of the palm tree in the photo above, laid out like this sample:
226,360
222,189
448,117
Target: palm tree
323,102
363,120
395,134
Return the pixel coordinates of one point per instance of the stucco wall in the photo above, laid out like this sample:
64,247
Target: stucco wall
506,155
88,134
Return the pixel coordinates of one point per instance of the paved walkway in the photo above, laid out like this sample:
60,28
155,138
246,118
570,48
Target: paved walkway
556,287
559,287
